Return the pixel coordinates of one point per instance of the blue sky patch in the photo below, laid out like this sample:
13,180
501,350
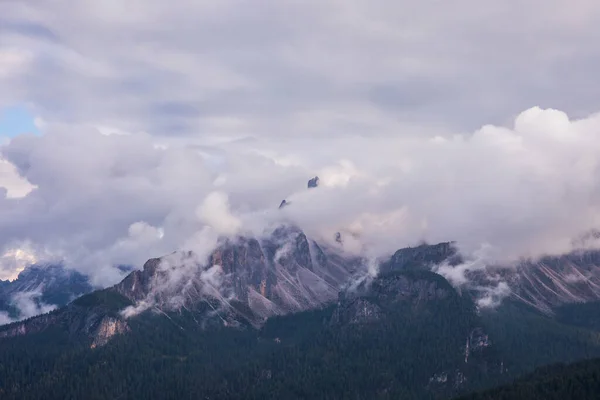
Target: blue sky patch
16,120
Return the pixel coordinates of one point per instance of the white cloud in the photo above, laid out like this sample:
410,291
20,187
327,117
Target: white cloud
103,200
15,259
11,183
315,67
13,61
214,212
217,119
28,304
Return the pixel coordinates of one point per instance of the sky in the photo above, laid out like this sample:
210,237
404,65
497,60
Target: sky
128,128
16,120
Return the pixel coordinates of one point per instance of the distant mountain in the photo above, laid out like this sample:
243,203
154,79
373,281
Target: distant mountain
41,287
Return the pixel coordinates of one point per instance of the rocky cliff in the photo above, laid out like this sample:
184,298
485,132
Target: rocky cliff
253,277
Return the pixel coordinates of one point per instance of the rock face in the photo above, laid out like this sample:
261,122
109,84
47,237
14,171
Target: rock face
543,284
108,328
313,183
338,238
369,301
253,278
552,281
424,256
548,282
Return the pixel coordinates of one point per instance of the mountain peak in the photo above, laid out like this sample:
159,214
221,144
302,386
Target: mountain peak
313,183
250,279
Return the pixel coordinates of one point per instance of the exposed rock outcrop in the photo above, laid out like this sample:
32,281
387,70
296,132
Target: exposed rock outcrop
253,278
313,183
107,328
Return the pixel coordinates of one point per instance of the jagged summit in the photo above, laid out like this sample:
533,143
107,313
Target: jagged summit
313,183
424,256
338,238
250,278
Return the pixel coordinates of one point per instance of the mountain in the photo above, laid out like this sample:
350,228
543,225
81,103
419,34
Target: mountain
553,281
245,281
406,333
248,280
543,284
285,316
41,287
251,279
381,338
423,257
313,182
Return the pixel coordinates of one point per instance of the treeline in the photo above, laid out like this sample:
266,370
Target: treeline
302,356
415,351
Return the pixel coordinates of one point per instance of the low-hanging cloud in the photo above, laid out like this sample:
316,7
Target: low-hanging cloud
522,191
26,304
502,193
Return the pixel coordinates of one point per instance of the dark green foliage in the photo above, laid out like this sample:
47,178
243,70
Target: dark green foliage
418,336
585,315
580,381
527,339
106,299
302,356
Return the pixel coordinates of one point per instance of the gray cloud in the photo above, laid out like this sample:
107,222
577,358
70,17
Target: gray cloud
102,200
250,100
27,304
197,68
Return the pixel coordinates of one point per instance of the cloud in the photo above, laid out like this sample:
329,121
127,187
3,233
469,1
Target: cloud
157,139
11,184
27,304
100,200
314,68
214,212
14,260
